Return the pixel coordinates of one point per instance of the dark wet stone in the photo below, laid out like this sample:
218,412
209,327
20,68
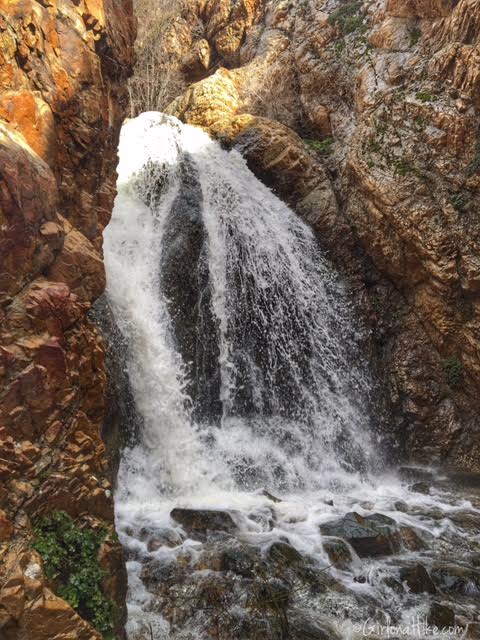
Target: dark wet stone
441,616
201,521
338,552
284,554
329,502
302,628
373,535
457,579
418,579
466,519
474,559
270,496
411,539
393,584
242,561
421,487
401,505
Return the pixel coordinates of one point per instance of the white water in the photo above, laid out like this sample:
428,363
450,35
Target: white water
293,394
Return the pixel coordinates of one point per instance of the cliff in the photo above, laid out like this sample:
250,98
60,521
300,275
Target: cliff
364,117
63,70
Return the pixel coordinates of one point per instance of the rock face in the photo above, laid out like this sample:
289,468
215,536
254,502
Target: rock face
364,117
63,67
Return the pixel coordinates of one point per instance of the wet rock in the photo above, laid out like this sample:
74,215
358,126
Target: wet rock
164,538
270,496
421,487
411,539
466,520
456,579
303,628
373,535
271,593
198,522
393,584
284,554
418,579
338,552
401,505
441,616
474,559
233,556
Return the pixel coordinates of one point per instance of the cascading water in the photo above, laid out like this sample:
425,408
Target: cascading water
243,355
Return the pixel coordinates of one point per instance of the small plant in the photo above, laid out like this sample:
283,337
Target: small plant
423,96
347,18
474,166
458,202
453,370
69,554
415,35
323,147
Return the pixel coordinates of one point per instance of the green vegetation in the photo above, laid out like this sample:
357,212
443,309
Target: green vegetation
453,370
423,96
323,147
474,166
458,202
347,18
415,35
69,554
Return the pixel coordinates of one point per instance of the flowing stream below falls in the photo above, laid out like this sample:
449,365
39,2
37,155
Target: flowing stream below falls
252,501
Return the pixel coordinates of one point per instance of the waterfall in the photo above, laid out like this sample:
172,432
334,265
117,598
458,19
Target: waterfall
243,348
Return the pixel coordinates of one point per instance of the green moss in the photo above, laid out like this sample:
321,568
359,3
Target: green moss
423,96
453,370
70,555
347,18
323,147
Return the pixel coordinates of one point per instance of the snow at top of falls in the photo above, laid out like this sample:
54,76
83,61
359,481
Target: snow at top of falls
292,386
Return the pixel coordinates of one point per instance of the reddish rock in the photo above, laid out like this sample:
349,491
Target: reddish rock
63,74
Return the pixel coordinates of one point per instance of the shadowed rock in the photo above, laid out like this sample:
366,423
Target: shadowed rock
374,535
201,521
418,579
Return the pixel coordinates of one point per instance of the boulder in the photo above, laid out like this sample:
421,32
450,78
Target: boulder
284,554
198,522
440,616
421,487
373,535
411,539
393,584
338,552
452,578
417,579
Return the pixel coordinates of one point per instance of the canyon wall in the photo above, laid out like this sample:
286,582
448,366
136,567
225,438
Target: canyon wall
63,71
364,117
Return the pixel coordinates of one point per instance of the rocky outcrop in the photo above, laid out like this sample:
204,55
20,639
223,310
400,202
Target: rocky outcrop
63,67
364,117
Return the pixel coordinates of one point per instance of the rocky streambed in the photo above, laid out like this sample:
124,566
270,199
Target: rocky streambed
399,563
